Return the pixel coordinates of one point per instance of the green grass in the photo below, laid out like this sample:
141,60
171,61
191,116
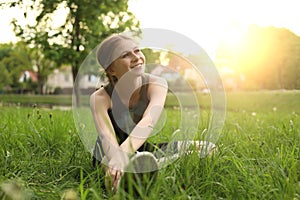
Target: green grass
42,156
29,100
236,101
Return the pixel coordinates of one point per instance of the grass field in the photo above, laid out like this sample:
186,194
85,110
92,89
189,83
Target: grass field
236,101
42,156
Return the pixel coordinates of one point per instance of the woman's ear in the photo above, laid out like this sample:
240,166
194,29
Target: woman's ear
111,71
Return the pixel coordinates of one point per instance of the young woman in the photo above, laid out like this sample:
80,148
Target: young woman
127,108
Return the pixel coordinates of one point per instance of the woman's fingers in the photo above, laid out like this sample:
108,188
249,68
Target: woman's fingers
115,176
113,172
117,180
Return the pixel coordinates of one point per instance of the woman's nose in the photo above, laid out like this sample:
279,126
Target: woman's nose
135,56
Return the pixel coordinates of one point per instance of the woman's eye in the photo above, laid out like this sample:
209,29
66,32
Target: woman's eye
137,50
125,55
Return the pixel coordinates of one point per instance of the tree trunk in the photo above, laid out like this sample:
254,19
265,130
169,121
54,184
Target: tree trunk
40,87
76,89
40,79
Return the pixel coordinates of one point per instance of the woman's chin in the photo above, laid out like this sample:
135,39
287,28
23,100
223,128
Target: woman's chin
138,71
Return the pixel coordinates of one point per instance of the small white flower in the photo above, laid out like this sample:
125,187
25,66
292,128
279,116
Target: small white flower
8,154
274,109
253,113
70,194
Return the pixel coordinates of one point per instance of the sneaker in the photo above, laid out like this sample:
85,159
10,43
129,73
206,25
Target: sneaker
179,148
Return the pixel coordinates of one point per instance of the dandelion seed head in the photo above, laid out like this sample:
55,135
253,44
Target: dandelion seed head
70,195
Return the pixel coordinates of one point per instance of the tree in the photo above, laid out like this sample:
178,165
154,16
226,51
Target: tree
43,66
152,58
268,57
13,63
21,57
85,25
289,75
5,50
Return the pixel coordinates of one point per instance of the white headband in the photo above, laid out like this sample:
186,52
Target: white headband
112,48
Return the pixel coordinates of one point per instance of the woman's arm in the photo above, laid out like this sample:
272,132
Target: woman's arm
100,103
157,93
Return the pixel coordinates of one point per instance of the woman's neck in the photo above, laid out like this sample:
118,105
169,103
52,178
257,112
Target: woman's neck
128,90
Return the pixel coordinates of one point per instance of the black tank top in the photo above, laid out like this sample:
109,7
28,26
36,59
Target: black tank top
124,119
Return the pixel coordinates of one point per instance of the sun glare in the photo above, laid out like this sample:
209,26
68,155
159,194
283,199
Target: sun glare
232,36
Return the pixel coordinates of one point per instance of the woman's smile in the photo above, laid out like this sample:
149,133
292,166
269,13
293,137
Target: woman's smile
137,65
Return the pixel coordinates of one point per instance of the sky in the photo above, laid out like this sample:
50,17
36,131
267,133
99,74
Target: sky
207,22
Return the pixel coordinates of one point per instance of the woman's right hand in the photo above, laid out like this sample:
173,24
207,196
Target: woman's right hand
115,169
118,162
112,179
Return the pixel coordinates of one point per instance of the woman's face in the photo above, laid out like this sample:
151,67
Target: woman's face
131,60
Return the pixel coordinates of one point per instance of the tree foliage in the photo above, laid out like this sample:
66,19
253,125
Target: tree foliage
67,30
152,58
5,50
14,58
269,57
19,58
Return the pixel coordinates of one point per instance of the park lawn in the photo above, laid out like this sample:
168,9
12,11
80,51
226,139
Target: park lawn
255,101
258,155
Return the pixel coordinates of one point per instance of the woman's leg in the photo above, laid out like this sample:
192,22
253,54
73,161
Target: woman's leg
98,153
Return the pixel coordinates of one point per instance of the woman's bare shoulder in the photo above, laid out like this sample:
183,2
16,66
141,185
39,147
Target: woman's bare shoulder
100,97
153,79
158,87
